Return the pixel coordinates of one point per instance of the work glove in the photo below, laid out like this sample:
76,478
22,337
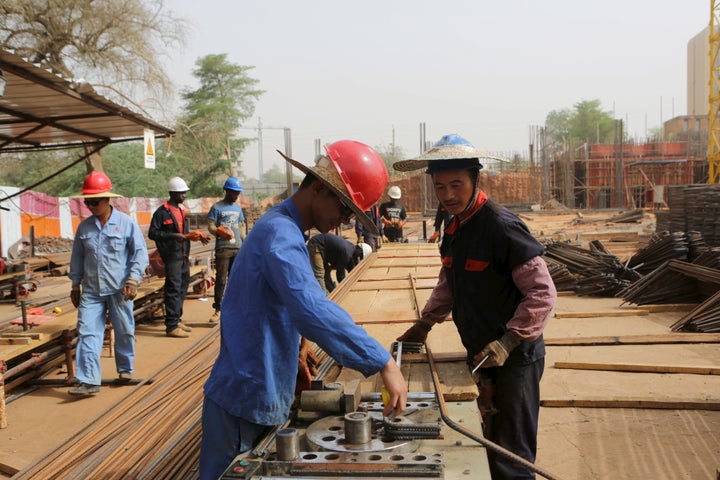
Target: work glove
434,237
130,289
498,351
197,236
224,233
417,333
75,295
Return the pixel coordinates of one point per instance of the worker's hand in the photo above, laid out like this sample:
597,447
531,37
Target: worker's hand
396,387
75,296
434,237
197,236
307,367
224,233
498,350
417,333
130,289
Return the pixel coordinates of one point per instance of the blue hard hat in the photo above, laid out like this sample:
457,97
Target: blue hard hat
232,183
451,152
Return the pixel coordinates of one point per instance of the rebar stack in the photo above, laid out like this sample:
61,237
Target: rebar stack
596,272
152,433
662,247
673,282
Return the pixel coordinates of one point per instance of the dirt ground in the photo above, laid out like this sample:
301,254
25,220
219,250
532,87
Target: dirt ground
574,443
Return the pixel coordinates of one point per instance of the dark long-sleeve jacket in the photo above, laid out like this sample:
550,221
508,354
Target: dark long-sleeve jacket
163,228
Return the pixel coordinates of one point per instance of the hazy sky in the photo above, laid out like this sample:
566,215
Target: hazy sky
487,70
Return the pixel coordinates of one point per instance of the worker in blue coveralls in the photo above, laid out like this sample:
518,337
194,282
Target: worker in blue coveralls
170,230
108,261
226,221
501,296
273,299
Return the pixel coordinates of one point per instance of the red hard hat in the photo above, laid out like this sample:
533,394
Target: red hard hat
361,169
96,182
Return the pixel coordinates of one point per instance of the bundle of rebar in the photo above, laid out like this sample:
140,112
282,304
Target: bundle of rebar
597,272
694,208
704,318
152,433
632,216
662,247
673,282
563,279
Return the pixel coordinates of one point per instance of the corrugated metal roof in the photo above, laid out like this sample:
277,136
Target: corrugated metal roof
41,110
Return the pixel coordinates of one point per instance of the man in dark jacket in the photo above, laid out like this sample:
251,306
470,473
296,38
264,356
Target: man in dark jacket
501,296
172,236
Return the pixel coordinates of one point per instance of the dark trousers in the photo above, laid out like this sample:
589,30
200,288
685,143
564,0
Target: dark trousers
177,280
393,234
223,263
515,423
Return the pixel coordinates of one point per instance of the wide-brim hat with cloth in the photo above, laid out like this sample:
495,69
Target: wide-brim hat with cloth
96,185
354,172
451,152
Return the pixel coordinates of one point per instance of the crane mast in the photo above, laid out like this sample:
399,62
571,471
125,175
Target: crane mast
714,100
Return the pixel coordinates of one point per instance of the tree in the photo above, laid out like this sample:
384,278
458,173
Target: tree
586,122
390,154
207,145
117,45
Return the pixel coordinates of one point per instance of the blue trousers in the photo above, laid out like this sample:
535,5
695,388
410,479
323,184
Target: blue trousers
177,280
224,437
91,331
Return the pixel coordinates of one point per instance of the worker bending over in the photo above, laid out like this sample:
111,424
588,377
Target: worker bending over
330,252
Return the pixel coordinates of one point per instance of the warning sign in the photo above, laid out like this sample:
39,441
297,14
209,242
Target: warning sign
149,148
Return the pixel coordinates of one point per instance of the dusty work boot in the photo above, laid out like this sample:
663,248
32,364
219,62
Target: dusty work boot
184,327
124,377
84,389
177,333
215,317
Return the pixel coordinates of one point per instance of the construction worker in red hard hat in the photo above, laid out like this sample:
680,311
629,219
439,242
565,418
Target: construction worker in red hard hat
108,261
171,232
500,293
272,298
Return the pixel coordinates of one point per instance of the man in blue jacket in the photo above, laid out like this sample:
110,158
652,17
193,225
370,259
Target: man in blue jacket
108,262
273,299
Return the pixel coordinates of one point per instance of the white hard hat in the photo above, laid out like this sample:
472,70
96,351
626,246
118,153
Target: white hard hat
366,250
177,184
394,192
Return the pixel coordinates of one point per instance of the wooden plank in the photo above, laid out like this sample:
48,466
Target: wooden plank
11,463
386,317
632,402
16,341
602,314
34,336
621,367
667,338
670,307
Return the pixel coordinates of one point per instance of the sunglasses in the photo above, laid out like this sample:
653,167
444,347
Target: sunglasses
91,203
